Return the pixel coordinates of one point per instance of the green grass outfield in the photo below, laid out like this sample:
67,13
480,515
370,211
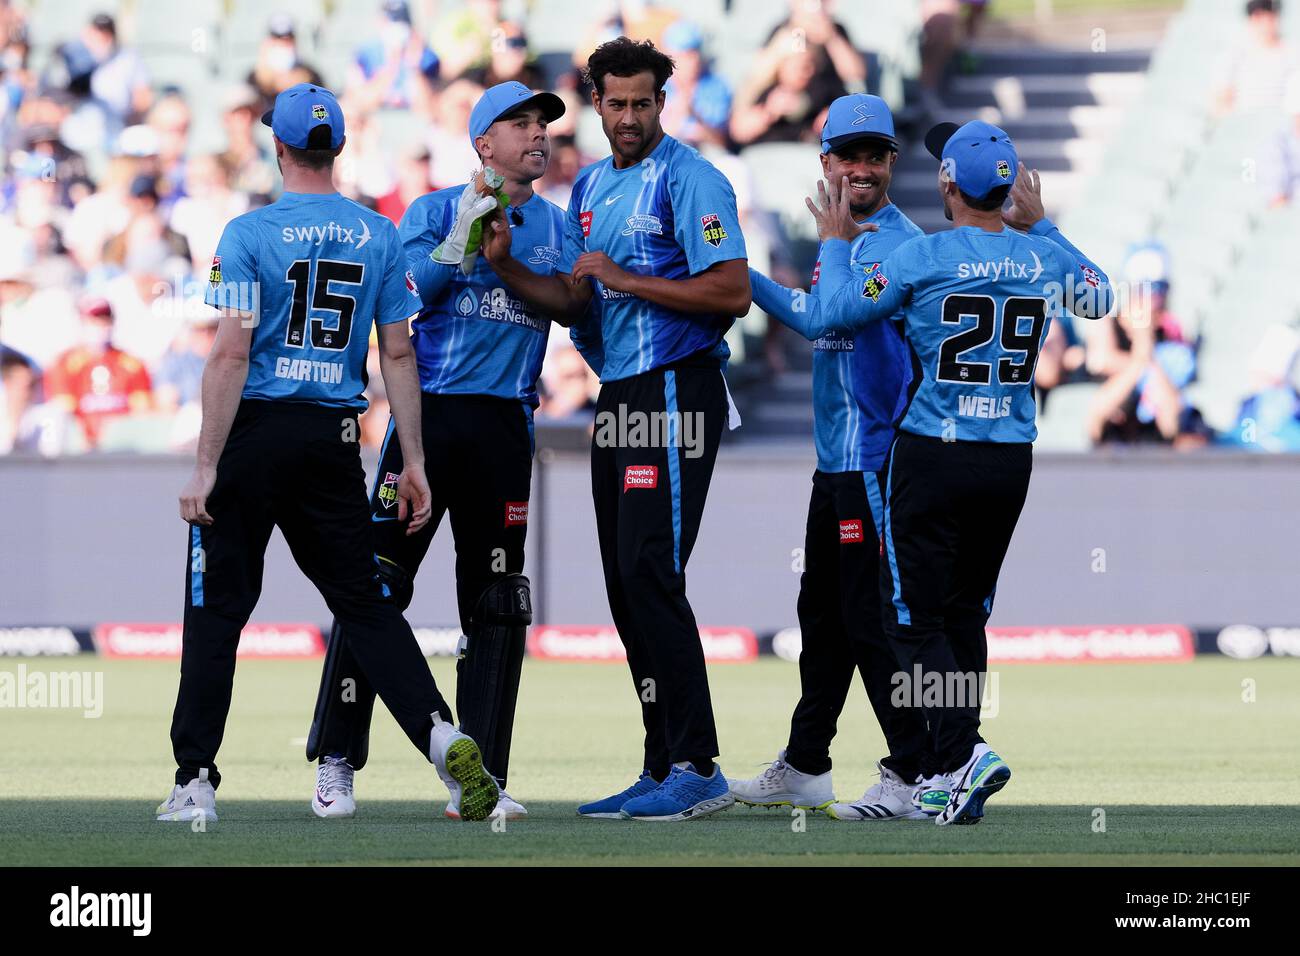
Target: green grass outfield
1185,770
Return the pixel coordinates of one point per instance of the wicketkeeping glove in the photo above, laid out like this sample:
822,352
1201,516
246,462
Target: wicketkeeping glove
466,236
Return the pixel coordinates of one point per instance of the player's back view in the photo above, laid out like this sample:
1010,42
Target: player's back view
976,303
300,284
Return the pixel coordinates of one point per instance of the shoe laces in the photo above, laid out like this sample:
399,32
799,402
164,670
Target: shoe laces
677,779
888,784
334,774
776,770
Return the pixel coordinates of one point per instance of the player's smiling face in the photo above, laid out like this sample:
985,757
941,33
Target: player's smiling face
517,146
629,112
869,166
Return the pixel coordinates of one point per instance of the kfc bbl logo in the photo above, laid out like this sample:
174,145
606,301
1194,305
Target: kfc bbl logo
1004,169
318,111
711,227
388,490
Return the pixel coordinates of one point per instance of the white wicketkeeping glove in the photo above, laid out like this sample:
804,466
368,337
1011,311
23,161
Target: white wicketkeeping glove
469,210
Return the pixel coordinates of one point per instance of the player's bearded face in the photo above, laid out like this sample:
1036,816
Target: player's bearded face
869,168
518,146
629,112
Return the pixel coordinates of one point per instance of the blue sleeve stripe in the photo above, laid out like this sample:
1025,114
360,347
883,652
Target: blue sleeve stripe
674,466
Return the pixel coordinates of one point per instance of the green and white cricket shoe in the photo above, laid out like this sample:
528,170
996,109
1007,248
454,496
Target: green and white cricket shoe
889,798
930,795
978,779
780,785
196,800
460,765
507,807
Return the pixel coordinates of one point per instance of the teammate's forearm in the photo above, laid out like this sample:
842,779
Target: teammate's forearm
708,292
223,384
554,294
1079,305
844,304
402,383
791,307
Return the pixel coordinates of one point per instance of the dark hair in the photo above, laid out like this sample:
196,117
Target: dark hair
625,57
1261,6
994,200
312,158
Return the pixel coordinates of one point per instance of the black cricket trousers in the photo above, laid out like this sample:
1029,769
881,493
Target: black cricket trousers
840,622
295,466
950,510
478,454
649,484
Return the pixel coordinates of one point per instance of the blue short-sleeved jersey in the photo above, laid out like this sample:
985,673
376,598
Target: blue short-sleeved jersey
672,215
859,378
316,270
976,307
473,336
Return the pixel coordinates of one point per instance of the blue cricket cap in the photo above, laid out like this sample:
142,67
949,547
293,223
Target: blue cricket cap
506,98
980,155
306,116
858,116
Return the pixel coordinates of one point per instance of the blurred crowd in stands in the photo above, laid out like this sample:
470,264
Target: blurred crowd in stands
109,213
1141,354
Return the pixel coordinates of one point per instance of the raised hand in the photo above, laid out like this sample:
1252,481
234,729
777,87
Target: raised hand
834,217
1026,200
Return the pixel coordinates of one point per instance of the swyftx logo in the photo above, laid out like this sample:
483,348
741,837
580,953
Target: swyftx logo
76,909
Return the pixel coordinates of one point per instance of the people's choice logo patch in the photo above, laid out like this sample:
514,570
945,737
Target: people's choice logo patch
584,218
516,513
851,531
711,228
640,476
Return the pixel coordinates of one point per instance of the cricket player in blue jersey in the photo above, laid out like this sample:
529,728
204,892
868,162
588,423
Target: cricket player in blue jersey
300,283
652,231
859,384
479,351
976,302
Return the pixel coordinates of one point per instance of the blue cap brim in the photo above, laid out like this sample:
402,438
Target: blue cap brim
552,107
837,142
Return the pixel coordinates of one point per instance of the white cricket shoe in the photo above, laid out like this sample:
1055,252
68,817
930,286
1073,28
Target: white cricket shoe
333,796
889,798
507,808
780,785
196,800
983,775
460,765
